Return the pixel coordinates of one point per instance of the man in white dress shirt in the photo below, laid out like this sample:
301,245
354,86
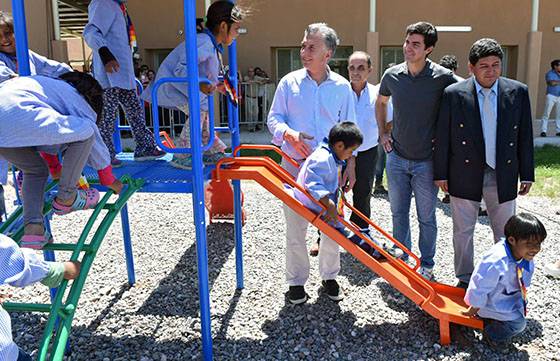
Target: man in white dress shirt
308,102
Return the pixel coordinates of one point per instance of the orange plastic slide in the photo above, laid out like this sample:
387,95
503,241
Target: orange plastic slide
441,301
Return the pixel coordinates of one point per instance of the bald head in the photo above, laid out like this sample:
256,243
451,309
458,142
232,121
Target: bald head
361,55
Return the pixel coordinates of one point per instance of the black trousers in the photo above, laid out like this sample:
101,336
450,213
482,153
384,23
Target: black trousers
365,174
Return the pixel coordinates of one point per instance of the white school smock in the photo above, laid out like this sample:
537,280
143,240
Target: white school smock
42,112
175,95
18,267
107,27
38,65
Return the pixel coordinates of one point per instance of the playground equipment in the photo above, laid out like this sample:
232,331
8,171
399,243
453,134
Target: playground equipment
440,301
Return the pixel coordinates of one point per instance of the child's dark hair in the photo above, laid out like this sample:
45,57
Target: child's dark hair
347,133
525,226
553,63
7,20
223,10
88,87
426,29
483,48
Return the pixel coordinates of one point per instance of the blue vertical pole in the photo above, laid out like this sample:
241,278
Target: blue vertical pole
235,141
128,246
22,49
198,180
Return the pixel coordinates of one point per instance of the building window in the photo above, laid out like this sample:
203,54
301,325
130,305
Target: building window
390,54
509,62
287,60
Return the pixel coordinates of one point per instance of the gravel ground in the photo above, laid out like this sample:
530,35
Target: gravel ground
157,319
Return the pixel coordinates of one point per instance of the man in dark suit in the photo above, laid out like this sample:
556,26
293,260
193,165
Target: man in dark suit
484,145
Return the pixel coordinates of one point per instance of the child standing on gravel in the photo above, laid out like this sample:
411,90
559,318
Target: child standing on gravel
53,116
321,175
222,25
19,268
497,291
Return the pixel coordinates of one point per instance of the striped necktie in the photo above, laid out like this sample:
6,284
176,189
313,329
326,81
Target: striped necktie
522,287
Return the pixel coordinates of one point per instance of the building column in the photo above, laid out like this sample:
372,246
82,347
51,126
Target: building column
532,68
372,42
372,48
533,57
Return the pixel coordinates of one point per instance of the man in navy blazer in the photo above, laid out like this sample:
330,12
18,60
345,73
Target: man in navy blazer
484,147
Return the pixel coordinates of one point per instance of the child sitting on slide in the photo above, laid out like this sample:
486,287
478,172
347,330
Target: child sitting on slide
19,268
321,174
53,116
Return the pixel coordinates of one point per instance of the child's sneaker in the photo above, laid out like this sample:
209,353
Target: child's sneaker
85,199
426,272
149,156
36,242
116,163
332,289
395,252
182,163
297,295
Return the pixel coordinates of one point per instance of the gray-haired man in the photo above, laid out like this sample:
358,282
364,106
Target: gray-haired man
308,102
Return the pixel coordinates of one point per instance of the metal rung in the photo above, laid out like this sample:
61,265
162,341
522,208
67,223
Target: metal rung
27,307
67,247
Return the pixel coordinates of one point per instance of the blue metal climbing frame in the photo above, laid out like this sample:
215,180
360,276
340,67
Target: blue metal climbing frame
158,175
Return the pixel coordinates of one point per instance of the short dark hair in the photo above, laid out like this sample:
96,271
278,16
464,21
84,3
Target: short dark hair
426,29
525,226
347,133
553,63
224,10
483,48
88,87
449,61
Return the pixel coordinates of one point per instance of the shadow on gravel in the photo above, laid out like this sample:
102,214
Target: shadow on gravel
356,273
116,298
177,294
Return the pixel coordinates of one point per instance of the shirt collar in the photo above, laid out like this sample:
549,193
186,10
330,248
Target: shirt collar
427,66
523,263
219,48
479,87
364,91
329,74
325,144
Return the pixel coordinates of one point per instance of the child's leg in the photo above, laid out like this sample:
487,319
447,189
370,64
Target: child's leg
144,139
108,117
218,146
184,140
35,175
329,258
503,331
73,162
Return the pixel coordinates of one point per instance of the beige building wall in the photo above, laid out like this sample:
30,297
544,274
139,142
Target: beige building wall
275,23
38,24
548,19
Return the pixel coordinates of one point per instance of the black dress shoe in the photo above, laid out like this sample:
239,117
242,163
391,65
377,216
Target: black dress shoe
543,134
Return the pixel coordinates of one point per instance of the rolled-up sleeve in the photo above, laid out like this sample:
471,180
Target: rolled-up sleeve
100,19
278,115
20,267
